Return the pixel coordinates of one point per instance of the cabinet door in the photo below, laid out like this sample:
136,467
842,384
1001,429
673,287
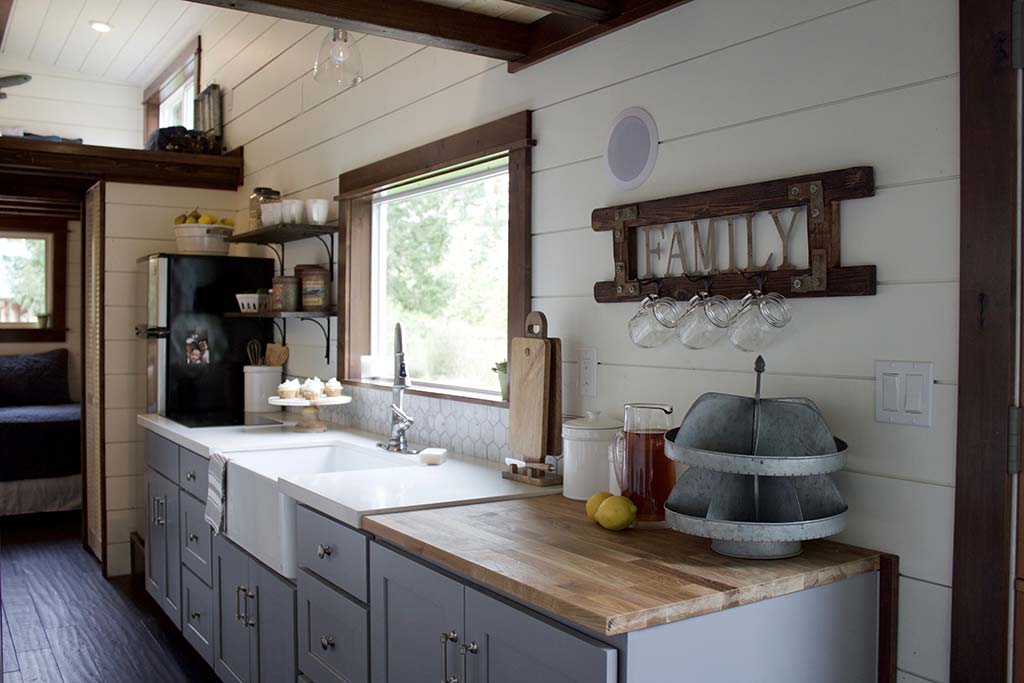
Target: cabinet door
196,538
156,543
163,556
513,645
334,633
272,633
230,631
413,611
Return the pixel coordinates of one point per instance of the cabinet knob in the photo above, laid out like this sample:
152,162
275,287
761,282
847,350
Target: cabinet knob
190,476
195,616
193,537
323,551
326,642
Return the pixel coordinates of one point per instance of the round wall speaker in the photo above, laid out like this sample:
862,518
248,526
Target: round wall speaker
632,148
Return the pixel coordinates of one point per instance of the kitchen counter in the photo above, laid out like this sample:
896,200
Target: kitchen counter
350,495
546,553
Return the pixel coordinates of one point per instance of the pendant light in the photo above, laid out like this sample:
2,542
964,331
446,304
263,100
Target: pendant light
338,62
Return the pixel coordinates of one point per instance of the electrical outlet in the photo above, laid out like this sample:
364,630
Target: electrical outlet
587,361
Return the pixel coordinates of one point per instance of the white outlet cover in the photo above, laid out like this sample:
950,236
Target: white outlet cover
904,392
587,372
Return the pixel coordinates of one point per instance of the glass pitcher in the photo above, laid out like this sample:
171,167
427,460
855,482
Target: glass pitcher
645,475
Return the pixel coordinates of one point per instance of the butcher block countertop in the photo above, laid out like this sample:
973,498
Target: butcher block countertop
546,553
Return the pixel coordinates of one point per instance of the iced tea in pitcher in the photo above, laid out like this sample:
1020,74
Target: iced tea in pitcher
646,476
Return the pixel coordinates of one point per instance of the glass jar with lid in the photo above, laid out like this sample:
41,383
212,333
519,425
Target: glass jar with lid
260,196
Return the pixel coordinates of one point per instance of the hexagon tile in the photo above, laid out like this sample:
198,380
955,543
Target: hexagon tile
466,428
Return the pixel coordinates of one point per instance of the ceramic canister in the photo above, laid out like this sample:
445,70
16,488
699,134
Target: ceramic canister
585,443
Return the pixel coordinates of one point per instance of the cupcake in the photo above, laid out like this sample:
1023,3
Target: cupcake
333,387
312,389
288,388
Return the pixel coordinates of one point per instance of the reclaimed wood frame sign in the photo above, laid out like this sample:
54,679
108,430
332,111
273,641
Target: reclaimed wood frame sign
692,228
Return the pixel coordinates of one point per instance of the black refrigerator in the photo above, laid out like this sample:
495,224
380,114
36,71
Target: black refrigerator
194,354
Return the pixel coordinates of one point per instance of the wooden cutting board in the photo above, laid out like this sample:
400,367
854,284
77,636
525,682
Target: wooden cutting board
529,383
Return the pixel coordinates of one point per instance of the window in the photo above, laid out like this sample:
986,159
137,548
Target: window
438,239
440,256
170,99
32,279
179,108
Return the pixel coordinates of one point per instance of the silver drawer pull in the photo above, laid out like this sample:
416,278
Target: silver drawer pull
326,642
323,551
193,537
238,603
190,476
453,637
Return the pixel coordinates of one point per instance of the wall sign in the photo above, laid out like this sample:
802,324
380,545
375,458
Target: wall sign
718,240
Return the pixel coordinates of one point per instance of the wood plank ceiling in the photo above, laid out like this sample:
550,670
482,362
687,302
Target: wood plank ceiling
537,30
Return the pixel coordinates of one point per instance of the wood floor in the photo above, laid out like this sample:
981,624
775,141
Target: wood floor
62,622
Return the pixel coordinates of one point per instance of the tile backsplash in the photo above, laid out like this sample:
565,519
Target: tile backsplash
467,428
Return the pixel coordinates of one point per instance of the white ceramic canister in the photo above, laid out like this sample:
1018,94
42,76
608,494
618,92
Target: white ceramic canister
260,384
585,443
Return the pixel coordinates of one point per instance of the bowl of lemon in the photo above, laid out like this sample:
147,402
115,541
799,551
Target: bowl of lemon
202,233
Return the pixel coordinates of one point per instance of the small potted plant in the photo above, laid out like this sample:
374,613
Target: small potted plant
43,320
502,369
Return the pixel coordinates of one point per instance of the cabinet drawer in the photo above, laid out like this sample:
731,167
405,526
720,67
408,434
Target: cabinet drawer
193,473
333,634
197,614
334,551
196,539
162,455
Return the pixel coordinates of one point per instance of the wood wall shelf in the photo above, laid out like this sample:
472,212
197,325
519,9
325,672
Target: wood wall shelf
282,233
56,159
281,319
281,314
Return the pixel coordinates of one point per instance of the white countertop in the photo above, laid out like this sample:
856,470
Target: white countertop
351,495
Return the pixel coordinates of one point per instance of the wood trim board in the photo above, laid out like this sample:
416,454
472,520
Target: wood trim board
987,332
94,162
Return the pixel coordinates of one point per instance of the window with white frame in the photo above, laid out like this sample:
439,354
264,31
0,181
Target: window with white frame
178,108
440,267
26,278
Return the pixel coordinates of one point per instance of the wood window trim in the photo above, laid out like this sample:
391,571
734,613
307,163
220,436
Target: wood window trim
511,135
187,63
58,228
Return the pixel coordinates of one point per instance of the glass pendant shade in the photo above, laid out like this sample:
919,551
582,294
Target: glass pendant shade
338,62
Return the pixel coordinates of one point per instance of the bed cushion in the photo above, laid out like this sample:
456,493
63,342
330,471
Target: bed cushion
34,379
39,441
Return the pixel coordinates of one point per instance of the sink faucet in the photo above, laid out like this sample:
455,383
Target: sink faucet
400,420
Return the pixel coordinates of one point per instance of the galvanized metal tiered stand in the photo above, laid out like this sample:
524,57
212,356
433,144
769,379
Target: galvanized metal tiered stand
758,479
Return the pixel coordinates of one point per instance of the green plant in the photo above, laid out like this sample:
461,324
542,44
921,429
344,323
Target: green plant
500,367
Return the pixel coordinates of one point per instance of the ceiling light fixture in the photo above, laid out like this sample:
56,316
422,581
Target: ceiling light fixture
338,62
100,26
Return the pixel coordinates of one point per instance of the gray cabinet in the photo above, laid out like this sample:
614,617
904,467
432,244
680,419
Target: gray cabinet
334,634
163,556
197,614
253,621
196,538
505,644
416,620
425,625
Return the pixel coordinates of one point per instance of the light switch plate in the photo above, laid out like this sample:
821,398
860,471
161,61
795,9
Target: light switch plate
588,372
903,392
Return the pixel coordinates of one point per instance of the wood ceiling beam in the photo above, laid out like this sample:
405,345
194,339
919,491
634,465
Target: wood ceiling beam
409,20
557,33
591,10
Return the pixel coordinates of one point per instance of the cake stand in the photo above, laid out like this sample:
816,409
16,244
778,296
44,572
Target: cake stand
310,419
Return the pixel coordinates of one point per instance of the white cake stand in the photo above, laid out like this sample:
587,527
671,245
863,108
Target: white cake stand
310,419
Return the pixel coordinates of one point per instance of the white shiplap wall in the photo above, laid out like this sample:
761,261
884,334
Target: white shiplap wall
72,105
139,221
742,91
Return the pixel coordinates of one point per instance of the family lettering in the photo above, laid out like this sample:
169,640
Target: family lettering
694,246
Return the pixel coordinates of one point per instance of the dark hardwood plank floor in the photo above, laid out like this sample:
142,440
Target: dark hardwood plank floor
62,622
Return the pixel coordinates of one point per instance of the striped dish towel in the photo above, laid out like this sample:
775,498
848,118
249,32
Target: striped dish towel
216,493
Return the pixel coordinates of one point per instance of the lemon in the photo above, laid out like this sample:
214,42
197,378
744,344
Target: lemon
179,220
207,219
190,220
616,513
228,222
595,501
